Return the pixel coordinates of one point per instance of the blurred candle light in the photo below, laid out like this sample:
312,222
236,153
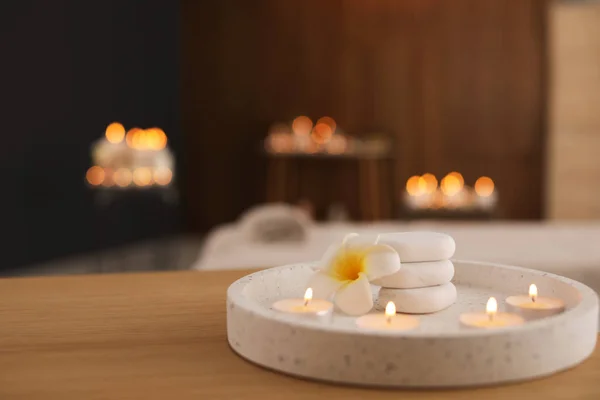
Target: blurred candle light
431,182
163,176
161,139
152,137
329,122
115,133
458,176
280,143
131,134
122,177
302,125
95,175
322,133
422,185
337,145
413,185
484,186
108,178
416,188
438,200
312,147
279,139
486,194
140,140
450,185
135,163
142,176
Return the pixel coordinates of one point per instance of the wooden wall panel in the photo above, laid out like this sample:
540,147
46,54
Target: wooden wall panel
458,85
574,137
482,96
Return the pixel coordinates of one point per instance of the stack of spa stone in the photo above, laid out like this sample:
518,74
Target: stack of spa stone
422,285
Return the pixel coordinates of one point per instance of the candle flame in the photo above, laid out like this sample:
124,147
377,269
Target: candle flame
390,311
492,307
308,296
533,292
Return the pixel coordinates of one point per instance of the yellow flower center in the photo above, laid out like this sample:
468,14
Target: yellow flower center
349,265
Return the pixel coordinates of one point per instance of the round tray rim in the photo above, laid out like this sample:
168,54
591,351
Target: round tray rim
589,301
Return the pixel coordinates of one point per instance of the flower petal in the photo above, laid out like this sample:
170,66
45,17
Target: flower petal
337,249
381,260
327,261
323,285
354,240
355,298
348,237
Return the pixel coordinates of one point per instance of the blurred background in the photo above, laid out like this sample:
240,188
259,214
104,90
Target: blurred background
161,135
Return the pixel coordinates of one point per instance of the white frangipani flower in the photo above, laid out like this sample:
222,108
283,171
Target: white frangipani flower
346,270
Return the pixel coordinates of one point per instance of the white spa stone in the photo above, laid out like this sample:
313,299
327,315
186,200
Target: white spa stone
418,275
419,301
355,298
420,246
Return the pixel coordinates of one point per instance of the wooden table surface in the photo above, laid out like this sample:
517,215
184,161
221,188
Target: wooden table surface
162,336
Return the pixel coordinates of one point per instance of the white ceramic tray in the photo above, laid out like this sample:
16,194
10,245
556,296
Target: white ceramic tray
439,353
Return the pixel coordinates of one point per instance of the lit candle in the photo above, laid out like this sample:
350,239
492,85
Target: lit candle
307,307
388,321
534,306
491,318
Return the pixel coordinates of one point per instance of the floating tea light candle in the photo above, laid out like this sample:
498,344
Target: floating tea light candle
388,321
491,318
308,307
533,306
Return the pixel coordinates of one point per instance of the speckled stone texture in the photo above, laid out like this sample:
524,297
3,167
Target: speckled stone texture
439,353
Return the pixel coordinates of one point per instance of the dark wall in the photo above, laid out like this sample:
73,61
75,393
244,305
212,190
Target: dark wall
459,85
68,68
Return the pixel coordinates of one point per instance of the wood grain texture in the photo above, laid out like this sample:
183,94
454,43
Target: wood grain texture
458,85
163,336
574,137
